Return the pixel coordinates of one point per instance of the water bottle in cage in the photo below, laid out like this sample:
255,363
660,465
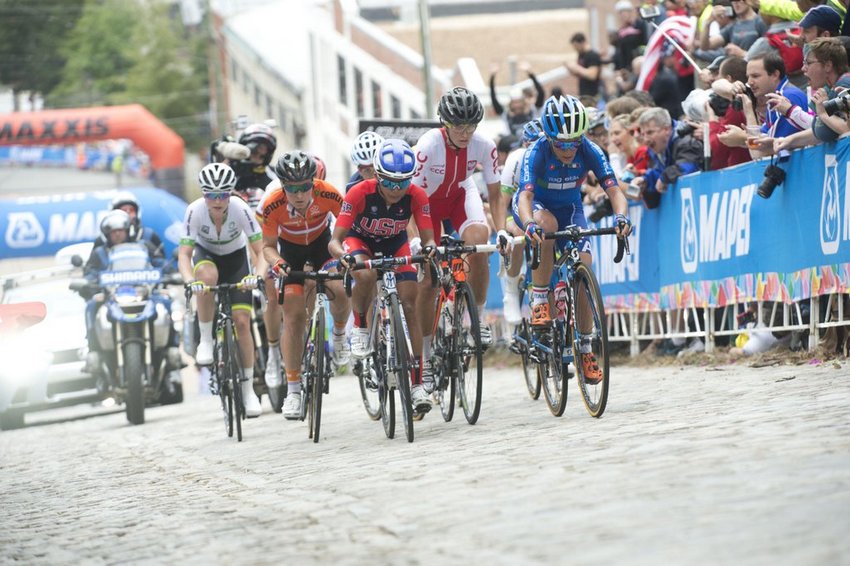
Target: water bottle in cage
448,310
561,300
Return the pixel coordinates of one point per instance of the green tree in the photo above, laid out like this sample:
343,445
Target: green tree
123,52
31,34
166,76
99,52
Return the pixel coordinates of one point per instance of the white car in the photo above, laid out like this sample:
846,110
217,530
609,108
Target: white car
43,364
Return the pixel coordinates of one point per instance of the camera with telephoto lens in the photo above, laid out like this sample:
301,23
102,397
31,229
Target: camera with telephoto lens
738,104
840,103
774,176
718,104
603,209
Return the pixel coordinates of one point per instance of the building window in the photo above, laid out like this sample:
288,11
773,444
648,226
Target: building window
268,107
234,71
281,119
343,82
246,84
257,95
414,115
377,102
358,91
395,103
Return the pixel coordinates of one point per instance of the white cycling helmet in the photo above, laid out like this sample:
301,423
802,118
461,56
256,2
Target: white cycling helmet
114,220
363,150
217,177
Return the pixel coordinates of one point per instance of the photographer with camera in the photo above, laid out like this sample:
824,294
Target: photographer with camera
725,122
672,152
765,75
826,67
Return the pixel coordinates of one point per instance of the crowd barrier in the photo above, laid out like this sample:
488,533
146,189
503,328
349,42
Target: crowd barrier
714,246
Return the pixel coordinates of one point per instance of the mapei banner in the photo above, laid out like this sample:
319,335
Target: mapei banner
42,225
722,243
633,283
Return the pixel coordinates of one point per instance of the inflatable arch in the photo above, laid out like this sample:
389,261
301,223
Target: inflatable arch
71,125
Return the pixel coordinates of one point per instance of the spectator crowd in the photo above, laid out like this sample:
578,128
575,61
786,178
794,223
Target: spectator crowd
770,76
729,81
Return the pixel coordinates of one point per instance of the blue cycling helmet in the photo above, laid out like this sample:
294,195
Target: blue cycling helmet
564,117
395,160
532,131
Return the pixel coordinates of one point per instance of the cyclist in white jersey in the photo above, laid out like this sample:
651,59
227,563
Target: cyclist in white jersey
511,277
447,157
216,231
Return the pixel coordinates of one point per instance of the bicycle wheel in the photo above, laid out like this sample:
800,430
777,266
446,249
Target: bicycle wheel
400,363
529,369
367,372
386,397
591,340
222,385
445,385
468,353
318,377
234,373
550,371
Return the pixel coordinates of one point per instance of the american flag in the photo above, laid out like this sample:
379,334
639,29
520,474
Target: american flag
681,29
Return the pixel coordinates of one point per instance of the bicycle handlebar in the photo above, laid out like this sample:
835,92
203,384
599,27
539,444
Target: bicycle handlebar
321,275
576,233
382,263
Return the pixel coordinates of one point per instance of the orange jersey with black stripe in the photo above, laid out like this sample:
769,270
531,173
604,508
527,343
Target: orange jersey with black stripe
279,218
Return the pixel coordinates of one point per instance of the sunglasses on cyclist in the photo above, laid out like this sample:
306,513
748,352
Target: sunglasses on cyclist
395,185
298,188
565,145
217,195
466,129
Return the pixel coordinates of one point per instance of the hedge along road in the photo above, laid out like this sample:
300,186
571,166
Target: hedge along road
688,465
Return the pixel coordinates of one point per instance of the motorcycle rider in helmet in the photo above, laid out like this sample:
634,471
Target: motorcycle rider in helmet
116,228
127,201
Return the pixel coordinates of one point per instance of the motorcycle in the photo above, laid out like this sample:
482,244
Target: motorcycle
135,362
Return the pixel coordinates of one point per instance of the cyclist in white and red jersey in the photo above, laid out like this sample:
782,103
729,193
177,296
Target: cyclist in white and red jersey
447,157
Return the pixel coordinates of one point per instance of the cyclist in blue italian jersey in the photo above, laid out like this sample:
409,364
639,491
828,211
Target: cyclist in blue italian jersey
549,197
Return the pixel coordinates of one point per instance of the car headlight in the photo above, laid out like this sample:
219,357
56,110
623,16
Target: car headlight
22,361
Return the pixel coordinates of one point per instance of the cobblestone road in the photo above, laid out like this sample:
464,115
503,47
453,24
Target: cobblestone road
688,466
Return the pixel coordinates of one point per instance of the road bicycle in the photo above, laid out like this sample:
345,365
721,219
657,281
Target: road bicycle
456,351
316,366
388,367
578,330
226,372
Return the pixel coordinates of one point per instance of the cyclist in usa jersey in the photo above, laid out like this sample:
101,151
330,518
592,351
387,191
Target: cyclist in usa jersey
374,218
549,197
446,159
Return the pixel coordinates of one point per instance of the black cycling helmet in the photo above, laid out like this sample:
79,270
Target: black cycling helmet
295,167
256,134
460,106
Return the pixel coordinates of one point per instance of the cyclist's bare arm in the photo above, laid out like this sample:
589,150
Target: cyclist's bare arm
494,193
524,205
270,251
184,262
335,245
256,251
